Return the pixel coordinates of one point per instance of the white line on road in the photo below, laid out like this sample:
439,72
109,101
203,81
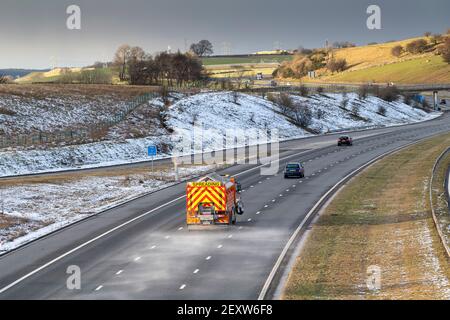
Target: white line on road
119,272
137,259
99,288
219,246
183,287
208,258
196,271
87,243
317,205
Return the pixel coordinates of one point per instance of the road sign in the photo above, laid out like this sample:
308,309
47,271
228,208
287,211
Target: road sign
152,151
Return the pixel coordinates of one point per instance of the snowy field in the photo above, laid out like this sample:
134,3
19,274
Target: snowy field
33,210
128,141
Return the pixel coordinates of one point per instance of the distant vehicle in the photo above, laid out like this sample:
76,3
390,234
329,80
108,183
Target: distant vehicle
293,170
345,141
273,83
259,76
443,102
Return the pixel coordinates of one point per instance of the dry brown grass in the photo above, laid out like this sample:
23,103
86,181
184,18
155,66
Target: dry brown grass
381,218
41,91
374,55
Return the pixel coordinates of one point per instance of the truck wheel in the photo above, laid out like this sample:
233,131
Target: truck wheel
233,216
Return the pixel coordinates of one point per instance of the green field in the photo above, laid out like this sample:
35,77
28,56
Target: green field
210,61
422,70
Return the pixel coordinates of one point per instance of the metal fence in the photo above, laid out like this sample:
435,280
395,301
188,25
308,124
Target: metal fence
343,87
90,133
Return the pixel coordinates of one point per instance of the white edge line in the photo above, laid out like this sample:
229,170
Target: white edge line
85,244
291,240
4,289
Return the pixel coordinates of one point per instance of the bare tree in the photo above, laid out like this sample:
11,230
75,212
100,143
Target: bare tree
202,48
286,103
363,92
337,65
137,53
302,115
397,51
446,51
3,79
121,58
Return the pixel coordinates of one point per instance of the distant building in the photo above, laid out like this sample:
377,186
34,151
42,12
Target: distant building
272,52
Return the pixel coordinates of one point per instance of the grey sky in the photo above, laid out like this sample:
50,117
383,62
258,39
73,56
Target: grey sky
31,32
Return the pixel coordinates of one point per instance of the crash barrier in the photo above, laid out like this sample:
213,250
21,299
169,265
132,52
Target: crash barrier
75,135
344,87
433,211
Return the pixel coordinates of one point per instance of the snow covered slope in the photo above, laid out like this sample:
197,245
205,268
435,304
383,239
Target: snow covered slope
216,110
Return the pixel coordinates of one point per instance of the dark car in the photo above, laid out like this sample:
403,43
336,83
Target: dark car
294,170
345,141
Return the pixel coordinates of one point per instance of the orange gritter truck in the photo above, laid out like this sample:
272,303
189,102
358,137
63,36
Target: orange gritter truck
212,201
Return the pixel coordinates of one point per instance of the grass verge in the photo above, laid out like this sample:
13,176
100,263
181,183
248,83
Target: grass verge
381,218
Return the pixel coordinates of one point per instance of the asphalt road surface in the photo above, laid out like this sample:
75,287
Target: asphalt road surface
142,250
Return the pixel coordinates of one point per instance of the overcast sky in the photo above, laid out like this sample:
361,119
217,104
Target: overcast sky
33,34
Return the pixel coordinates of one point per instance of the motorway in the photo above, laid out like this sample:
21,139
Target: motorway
142,250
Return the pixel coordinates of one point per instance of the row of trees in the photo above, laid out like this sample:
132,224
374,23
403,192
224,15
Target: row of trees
169,68
87,76
141,68
313,60
438,43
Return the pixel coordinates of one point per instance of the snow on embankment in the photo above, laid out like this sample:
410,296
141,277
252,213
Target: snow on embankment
331,113
219,112
222,110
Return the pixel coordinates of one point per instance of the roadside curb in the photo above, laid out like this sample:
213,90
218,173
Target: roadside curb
433,212
273,281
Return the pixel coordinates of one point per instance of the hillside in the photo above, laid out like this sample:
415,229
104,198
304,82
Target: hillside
375,63
376,55
45,76
421,70
216,111
58,74
17,73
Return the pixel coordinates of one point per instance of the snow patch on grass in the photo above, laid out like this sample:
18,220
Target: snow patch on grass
216,110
